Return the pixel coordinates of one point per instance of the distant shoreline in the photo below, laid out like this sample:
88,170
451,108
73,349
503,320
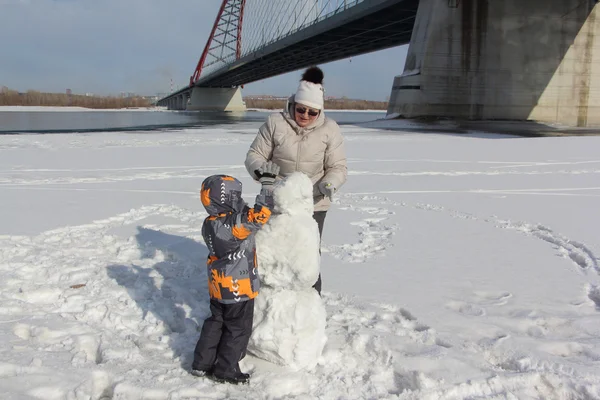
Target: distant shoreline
138,109
73,109
34,98
327,110
330,104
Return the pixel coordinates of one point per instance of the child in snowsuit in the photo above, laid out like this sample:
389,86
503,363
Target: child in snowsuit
233,282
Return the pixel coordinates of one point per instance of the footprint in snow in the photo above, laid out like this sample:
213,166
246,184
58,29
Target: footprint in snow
492,298
466,308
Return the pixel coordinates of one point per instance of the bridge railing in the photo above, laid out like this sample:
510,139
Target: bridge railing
344,5
263,22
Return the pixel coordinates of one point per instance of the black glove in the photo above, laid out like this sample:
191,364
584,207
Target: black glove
267,173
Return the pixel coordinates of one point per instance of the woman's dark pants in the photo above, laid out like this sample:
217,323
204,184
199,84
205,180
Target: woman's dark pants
319,216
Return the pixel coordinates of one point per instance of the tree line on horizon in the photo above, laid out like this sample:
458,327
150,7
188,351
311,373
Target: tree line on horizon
34,98
330,104
10,97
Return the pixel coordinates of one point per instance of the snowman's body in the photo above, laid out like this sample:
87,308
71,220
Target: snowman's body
289,316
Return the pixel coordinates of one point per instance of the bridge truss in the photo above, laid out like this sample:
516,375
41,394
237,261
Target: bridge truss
249,29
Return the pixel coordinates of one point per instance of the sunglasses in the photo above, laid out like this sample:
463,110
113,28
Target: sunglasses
302,110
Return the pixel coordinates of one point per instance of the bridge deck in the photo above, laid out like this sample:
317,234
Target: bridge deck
367,27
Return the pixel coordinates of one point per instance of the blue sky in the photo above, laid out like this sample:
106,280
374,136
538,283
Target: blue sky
109,46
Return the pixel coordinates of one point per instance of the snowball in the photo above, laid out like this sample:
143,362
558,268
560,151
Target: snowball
294,195
288,246
288,252
289,327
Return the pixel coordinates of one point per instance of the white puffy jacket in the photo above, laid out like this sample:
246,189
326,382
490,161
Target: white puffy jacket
316,150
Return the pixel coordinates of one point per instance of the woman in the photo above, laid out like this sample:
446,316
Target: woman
302,138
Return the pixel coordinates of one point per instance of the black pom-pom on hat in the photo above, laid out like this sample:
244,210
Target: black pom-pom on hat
314,75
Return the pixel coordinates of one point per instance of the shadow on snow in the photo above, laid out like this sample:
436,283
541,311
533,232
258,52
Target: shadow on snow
174,291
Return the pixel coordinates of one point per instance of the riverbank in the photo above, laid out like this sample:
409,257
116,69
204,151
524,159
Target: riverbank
10,97
70,109
330,104
482,128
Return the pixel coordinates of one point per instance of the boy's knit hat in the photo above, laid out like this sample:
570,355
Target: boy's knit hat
310,91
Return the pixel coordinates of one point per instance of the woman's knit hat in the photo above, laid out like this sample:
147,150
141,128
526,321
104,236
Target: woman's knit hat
310,91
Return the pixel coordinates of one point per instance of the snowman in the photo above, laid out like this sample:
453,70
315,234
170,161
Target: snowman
289,316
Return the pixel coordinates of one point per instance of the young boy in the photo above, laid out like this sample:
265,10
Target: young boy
233,283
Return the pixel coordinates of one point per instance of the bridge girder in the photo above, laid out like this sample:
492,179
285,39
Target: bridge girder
366,27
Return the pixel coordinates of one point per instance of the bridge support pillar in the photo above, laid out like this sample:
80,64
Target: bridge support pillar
216,99
510,60
175,103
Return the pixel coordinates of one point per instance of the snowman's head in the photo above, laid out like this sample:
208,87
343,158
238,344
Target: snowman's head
294,195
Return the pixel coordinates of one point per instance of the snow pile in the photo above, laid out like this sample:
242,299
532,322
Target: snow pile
289,316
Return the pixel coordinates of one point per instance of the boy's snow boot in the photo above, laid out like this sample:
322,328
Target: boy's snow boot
200,373
235,380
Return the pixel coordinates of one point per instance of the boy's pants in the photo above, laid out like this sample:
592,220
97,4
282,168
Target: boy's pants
224,338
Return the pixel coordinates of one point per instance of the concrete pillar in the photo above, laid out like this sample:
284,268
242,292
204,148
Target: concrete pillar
216,99
510,60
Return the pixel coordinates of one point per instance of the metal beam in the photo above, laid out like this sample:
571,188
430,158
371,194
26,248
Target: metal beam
366,27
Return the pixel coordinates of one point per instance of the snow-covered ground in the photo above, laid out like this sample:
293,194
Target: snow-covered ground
454,267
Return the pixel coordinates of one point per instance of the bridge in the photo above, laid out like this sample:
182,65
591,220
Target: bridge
467,59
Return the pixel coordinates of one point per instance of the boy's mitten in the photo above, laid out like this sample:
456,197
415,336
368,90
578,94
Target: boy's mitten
267,173
327,189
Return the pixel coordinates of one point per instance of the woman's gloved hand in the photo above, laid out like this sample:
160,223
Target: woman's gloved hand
267,173
327,189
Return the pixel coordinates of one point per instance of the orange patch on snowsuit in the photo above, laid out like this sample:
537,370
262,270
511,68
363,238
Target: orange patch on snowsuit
240,232
239,287
205,196
211,259
261,216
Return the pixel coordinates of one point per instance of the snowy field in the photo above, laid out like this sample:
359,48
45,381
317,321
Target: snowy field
454,267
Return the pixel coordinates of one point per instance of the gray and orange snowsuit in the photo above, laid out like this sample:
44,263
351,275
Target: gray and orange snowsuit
229,235
233,283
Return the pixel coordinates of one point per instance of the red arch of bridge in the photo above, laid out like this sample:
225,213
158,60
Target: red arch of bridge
207,48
